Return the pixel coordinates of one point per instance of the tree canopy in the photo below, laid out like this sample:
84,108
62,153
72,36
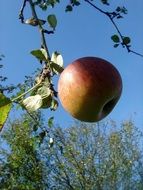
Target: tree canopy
82,156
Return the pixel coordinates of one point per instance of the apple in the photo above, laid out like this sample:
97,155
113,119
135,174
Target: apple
89,88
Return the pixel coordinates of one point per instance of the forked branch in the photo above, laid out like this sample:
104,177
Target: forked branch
111,16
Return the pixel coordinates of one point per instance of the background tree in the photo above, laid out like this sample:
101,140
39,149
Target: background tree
93,157
3,87
21,166
98,156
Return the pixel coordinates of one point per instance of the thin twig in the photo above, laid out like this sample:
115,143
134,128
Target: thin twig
110,16
62,140
23,94
43,39
21,16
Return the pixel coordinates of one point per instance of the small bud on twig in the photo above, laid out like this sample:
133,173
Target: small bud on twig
34,22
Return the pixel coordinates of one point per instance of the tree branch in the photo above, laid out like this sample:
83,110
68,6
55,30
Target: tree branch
21,16
66,178
111,17
75,163
42,31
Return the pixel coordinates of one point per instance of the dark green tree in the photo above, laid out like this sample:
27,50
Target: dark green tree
21,167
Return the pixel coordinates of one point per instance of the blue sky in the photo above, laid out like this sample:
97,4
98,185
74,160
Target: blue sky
83,32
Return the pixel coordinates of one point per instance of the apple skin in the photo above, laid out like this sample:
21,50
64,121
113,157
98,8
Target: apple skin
89,88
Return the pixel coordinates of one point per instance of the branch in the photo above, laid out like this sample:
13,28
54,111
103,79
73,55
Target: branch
23,94
111,17
76,164
42,31
21,16
46,67
67,179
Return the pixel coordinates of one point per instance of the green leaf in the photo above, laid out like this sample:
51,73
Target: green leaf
40,54
52,20
5,107
44,91
118,9
52,2
57,63
57,69
105,2
57,58
43,6
119,16
124,10
50,122
46,102
33,103
54,104
75,2
115,38
126,40
116,45
69,8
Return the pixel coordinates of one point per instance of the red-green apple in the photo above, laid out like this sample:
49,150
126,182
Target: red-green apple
89,88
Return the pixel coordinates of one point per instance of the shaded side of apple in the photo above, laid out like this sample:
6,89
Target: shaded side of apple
89,88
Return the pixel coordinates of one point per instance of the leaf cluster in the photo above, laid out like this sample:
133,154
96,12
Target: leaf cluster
44,4
105,2
71,5
43,94
123,40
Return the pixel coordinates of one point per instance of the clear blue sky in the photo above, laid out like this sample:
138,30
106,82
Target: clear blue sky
83,32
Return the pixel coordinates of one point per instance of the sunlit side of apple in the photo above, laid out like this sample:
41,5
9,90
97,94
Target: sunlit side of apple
89,88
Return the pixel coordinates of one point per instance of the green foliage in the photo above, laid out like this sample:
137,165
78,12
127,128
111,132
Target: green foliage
42,93
126,40
105,2
22,167
115,38
33,103
57,63
47,3
54,104
72,3
92,157
52,20
83,156
68,8
122,10
5,107
75,2
50,122
4,88
40,54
